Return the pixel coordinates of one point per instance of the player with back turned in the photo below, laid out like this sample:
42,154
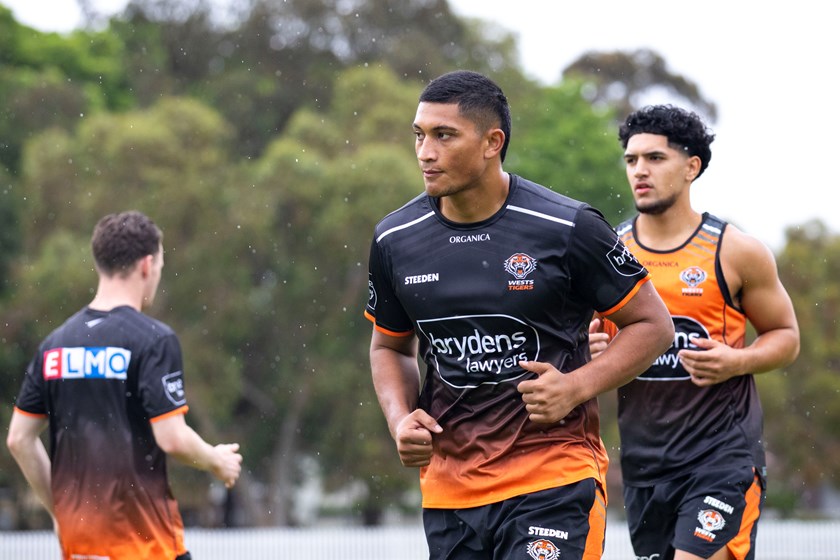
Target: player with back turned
109,385
493,280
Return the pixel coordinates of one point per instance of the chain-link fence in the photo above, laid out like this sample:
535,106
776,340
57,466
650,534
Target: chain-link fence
777,540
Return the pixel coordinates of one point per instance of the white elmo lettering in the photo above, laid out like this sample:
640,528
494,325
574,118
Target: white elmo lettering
86,363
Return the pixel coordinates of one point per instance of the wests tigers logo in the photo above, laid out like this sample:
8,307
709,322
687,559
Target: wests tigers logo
711,520
520,265
693,276
543,549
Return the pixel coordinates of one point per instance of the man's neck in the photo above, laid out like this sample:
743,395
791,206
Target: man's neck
479,203
115,293
668,230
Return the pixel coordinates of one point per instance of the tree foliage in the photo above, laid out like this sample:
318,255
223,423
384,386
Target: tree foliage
267,142
562,143
625,81
800,402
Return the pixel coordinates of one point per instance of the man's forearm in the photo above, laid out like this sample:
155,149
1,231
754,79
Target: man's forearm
31,456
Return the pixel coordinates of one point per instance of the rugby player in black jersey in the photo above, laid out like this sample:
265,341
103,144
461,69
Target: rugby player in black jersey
109,385
492,280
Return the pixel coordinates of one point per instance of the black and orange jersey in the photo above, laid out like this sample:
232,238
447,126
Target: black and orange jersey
481,297
668,425
101,379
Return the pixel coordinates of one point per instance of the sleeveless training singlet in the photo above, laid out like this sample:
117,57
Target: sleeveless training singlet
521,285
668,425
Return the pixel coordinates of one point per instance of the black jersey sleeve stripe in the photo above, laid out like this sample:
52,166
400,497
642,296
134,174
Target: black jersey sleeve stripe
403,226
541,215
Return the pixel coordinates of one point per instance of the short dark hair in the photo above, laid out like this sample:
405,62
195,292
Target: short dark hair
685,130
120,240
478,98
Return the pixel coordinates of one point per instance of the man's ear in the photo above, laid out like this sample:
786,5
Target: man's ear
692,169
146,266
495,138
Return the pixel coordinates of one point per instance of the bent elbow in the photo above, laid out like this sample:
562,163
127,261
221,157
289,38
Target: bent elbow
13,443
666,336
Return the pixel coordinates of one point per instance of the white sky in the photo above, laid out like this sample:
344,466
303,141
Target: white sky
771,68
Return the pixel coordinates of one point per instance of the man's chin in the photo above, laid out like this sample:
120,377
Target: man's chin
653,209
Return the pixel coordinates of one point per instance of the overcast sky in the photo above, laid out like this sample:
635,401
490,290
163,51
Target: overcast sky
769,66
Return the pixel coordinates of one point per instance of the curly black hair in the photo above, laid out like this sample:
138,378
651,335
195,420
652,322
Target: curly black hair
684,130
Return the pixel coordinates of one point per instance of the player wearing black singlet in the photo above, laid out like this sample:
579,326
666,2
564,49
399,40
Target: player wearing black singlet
495,278
109,385
692,454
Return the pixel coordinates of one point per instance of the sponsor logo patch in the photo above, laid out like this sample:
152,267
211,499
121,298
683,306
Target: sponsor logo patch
105,362
710,521
546,532
543,549
371,293
520,265
668,366
173,387
473,350
693,276
623,261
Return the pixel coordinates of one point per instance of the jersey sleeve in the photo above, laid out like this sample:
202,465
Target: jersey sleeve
605,272
161,377
383,308
30,399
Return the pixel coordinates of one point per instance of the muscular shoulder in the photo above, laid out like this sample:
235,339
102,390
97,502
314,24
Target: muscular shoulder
746,261
411,213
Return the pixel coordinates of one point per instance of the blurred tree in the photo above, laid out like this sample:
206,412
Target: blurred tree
258,62
625,81
266,254
172,163
562,142
800,403
320,188
48,80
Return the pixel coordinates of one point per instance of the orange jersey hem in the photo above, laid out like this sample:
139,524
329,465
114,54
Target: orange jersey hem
29,414
383,330
171,413
444,488
626,298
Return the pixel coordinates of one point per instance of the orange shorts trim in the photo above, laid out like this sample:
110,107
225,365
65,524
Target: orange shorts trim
740,546
594,548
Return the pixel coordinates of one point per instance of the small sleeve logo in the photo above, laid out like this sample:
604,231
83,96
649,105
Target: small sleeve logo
623,260
173,387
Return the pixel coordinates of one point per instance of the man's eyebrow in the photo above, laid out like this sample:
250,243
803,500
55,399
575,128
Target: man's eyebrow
650,153
437,128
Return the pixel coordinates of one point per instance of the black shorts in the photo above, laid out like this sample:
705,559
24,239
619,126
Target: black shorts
565,523
699,513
